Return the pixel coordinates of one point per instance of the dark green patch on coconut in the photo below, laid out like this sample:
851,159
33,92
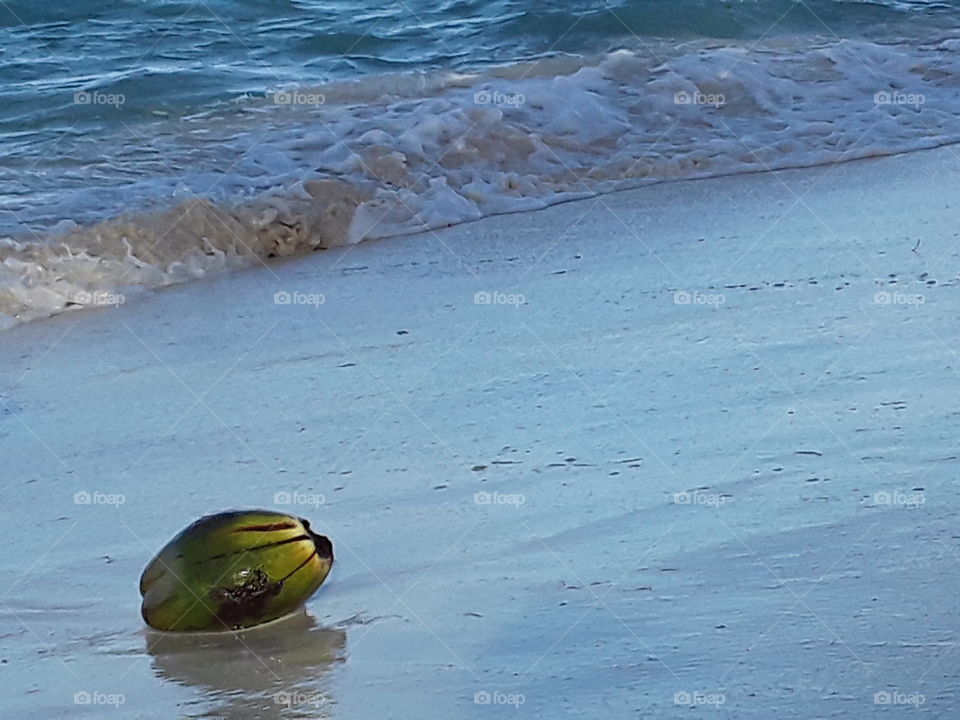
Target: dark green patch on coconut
246,600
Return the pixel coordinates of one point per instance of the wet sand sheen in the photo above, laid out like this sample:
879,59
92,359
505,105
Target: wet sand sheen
676,465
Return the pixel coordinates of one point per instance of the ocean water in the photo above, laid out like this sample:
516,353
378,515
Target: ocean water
147,143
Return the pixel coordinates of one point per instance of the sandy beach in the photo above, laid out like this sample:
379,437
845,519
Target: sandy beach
686,450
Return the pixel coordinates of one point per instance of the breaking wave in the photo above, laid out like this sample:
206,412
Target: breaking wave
308,168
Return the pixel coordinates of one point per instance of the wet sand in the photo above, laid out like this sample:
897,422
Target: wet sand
694,446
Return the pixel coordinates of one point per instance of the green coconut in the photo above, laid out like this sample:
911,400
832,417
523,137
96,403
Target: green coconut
234,570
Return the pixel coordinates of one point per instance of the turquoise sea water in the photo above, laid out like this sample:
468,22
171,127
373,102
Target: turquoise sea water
179,56
111,109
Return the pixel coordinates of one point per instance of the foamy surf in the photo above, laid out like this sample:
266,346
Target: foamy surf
317,167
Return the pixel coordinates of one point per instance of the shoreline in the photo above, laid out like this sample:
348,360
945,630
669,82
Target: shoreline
280,178
225,264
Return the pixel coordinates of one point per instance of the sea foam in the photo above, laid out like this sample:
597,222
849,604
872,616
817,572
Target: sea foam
317,167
